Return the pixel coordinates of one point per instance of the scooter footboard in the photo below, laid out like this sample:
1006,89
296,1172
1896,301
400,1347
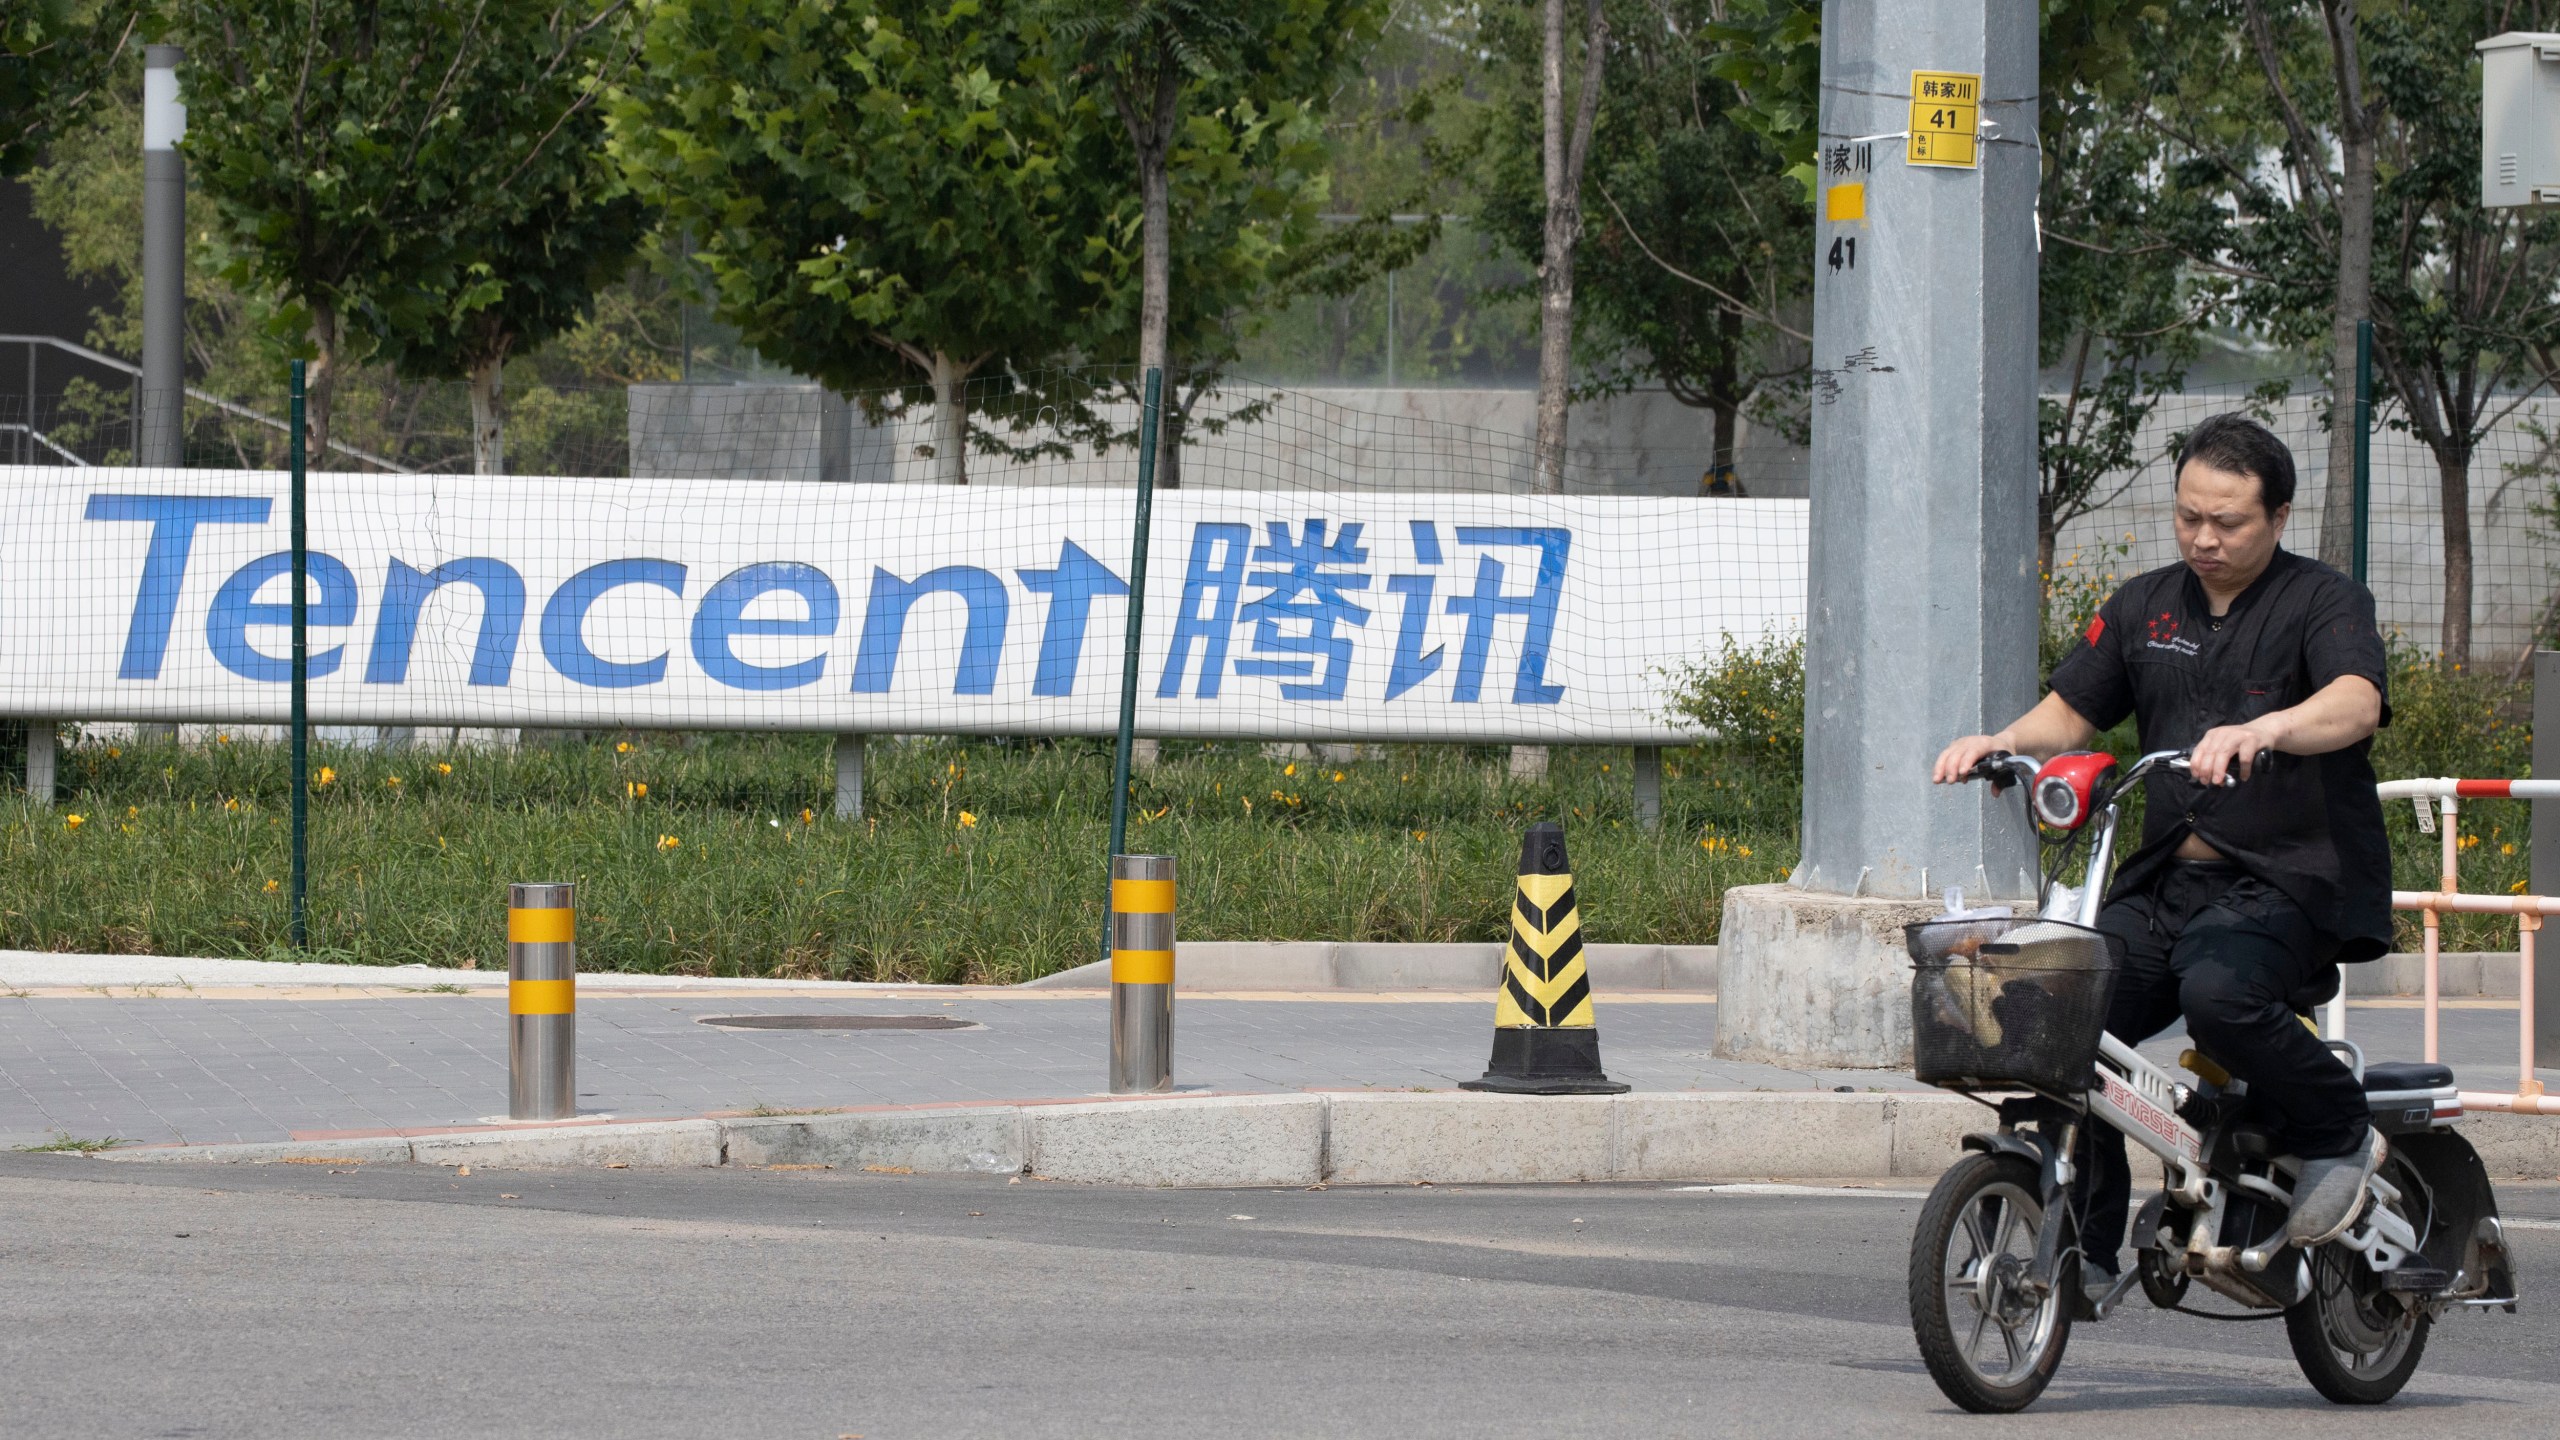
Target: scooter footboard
2455,1240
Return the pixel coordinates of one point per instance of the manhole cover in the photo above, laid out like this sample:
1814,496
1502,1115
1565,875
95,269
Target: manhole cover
839,1022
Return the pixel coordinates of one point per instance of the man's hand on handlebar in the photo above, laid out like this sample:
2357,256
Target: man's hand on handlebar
1956,762
2227,750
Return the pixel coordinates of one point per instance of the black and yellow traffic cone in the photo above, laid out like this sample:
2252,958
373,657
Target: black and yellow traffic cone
1545,1041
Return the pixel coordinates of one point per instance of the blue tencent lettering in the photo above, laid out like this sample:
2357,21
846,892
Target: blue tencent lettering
1206,618
1529,686
721,618
173,520
236,607
404,593
884,625
1412,665
1304,604
1072,589
564,623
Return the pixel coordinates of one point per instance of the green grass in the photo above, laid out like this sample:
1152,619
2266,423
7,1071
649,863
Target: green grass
979,860
71,1145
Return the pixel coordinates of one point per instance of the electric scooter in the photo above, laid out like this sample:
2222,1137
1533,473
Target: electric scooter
2011,1012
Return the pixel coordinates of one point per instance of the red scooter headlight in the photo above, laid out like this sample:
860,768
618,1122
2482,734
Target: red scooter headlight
2067,786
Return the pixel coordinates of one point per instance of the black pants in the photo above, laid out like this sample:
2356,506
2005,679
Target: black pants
2239,961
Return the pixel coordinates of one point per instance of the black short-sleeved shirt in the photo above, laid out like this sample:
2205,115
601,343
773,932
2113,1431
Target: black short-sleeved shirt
2310,825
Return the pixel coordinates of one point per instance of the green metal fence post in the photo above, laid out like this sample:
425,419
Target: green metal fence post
1147,420
2364,442
299,925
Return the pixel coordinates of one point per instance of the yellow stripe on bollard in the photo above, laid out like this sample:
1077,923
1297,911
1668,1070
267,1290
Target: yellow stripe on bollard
1141,967
542,927
542,997
1142,897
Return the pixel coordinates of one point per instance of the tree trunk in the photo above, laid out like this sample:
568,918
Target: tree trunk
1555,265
1155,266
2354,303
2453,475
488,422
950,419
320,386
1720,477
1169,427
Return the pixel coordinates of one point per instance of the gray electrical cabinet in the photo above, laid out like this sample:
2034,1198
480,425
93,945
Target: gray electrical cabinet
2519,119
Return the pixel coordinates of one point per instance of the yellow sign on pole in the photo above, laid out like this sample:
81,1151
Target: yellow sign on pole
1946,118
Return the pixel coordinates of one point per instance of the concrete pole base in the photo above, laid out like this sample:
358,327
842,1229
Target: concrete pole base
1815,981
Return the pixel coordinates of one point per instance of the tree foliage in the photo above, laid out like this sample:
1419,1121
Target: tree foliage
2464,328
882,192
510,275
55,56
350,147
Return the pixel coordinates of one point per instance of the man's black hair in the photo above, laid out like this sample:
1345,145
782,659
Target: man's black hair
2234,442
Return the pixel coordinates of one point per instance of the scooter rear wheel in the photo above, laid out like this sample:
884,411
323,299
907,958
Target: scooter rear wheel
2357,1345
1991,1337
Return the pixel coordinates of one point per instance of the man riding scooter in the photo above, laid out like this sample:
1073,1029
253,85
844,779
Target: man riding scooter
2242,902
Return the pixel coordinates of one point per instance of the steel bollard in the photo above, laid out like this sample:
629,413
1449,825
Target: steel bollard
542,1003
1141,974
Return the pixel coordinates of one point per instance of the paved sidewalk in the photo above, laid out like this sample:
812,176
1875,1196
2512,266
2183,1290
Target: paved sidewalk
204,1065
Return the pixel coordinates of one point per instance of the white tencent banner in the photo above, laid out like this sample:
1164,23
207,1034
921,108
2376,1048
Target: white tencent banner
442,600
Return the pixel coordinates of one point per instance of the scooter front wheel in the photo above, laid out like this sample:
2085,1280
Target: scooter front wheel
1991,1332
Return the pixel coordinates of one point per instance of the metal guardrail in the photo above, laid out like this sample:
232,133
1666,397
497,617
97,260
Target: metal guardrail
41,438
2444,796
228,407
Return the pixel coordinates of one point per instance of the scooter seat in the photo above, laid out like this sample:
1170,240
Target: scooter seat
2397,1075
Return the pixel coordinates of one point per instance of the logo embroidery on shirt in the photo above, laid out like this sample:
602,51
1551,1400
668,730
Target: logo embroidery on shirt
2163,633
2097,627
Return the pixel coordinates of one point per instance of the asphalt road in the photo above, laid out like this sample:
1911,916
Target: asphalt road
311,1300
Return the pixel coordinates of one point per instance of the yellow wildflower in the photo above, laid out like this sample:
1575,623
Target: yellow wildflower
968,821
1337,777
2516,889
74,822
2507,849
221,739
1421,834
1289,769
443,769
635,789
114,752
272,887
231,804
808,817
326,775
391,780
622,747
668,842
1742,850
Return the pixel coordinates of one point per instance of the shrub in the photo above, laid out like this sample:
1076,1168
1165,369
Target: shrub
2459,721
1750,698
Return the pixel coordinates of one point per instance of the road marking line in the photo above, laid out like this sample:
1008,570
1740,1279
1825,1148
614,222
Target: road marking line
2516,1224
1833,1191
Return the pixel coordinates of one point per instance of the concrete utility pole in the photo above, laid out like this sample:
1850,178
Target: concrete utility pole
1922,624
164,261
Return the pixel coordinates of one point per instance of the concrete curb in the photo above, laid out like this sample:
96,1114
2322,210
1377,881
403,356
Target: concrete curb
1342,1137
1231,965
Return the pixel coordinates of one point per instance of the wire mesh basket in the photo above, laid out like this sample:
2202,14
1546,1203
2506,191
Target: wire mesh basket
2001,1004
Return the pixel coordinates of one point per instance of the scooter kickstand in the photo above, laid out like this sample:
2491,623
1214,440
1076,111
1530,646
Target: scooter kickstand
2115,1297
